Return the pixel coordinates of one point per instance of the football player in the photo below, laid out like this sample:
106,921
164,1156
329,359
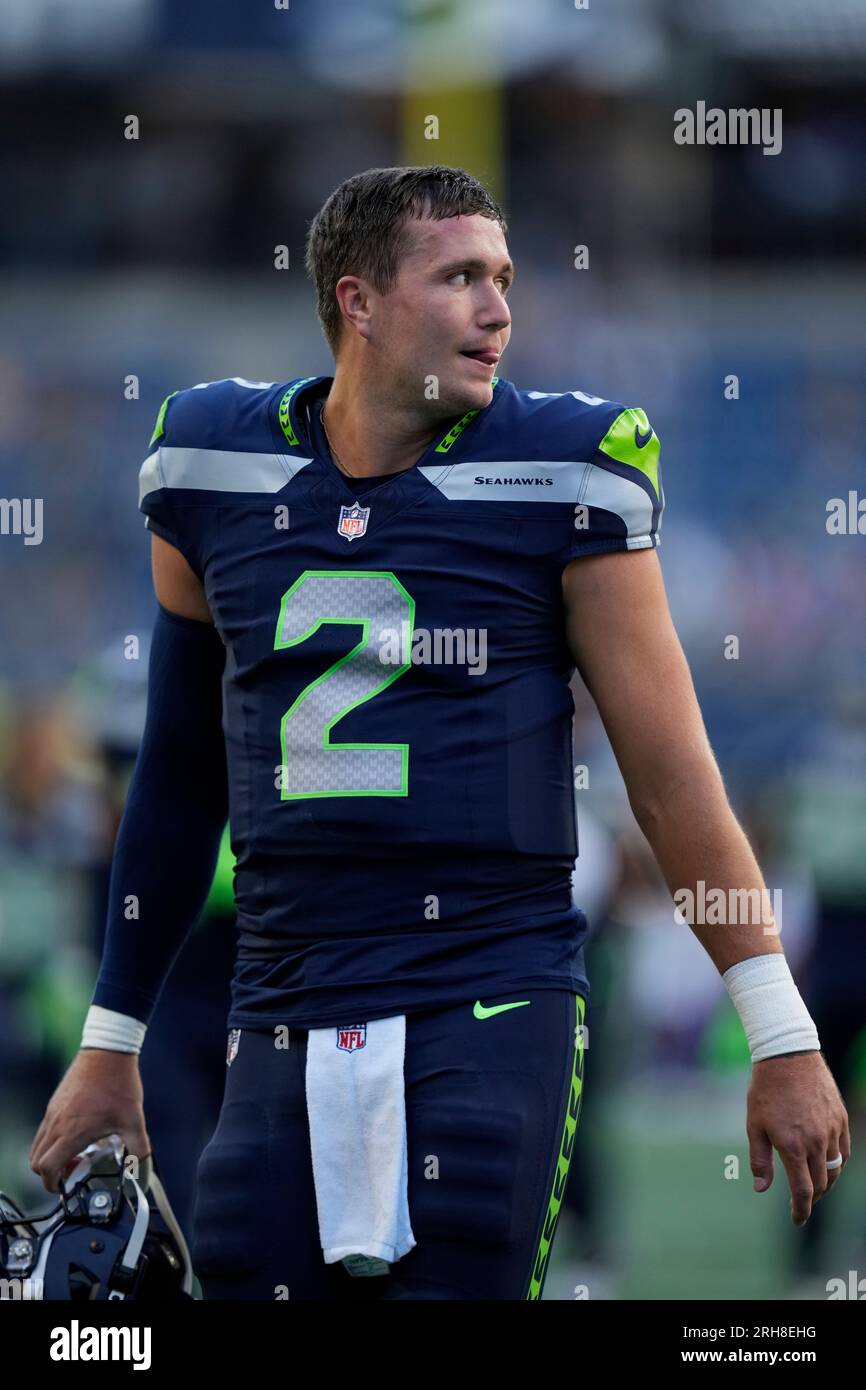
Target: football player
373,589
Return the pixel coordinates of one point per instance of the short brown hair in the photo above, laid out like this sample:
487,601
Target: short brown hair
361,228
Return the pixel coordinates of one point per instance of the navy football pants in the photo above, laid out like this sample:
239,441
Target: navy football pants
496,1100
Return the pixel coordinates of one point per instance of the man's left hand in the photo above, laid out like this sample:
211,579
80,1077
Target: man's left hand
794,1106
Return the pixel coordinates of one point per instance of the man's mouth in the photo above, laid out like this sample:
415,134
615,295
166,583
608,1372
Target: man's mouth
489,356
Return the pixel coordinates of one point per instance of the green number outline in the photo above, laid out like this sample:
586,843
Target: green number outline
359,646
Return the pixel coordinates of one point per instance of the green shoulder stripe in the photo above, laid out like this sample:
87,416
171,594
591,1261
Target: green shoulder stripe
159,427
631,439
284,415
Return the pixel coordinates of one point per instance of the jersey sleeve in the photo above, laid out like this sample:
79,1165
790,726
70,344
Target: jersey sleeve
177,434
153,496
620,500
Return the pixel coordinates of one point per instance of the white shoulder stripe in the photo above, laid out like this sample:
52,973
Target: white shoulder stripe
512,481
540,481
216,470
621,496
238,380
578,396
148,476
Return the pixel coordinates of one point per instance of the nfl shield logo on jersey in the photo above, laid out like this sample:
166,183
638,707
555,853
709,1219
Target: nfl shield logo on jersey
353,521
351,1038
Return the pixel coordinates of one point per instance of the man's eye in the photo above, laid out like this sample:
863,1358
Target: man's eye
500,280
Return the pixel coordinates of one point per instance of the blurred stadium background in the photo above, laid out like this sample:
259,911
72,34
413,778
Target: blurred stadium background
153,258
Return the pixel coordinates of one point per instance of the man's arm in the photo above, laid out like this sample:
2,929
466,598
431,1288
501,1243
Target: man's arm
176,807
162,869
176,585
624,644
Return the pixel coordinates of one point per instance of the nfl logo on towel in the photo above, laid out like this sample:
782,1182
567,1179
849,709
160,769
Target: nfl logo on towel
353,521
352,1038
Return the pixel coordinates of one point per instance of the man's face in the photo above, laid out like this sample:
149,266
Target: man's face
448,301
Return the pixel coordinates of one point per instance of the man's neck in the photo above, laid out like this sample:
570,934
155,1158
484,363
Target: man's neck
369,437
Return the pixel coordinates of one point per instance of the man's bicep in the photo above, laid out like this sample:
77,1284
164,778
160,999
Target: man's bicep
176,584
625,646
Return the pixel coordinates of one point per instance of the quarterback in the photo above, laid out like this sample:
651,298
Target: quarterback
372,592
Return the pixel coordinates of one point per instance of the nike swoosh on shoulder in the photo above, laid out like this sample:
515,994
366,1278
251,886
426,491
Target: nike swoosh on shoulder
481,1012
641,440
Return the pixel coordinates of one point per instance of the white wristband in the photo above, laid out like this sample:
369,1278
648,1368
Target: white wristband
112,1031
772,1011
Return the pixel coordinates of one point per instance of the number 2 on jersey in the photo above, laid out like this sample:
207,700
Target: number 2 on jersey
312,765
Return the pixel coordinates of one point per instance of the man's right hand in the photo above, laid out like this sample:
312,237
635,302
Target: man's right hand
100,1094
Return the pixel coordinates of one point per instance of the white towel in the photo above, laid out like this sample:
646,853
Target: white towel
356,1103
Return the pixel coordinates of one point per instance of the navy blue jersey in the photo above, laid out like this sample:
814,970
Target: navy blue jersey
397,711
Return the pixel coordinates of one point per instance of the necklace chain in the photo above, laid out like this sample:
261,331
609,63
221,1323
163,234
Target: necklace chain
334,453
336,457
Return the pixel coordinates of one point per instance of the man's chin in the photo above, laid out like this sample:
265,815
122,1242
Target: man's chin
465,394
457,393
